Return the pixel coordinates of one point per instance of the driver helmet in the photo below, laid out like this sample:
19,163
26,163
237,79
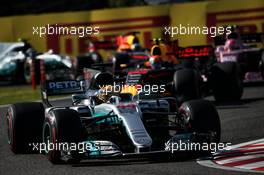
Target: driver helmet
155,62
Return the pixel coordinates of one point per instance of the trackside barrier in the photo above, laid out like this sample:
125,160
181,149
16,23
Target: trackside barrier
33,73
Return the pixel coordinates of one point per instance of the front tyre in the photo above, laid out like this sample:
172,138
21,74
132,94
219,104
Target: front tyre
62,127
202,118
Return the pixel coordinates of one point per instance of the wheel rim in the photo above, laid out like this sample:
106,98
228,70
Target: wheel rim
27,72
9,130
47,136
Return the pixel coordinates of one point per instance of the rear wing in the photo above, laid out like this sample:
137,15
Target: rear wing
143,56
195,51
106,45
252,38
55,88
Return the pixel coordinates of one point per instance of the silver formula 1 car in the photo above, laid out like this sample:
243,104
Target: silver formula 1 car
122,125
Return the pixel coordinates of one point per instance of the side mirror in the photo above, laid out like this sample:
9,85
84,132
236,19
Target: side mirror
114,100
92,102
76,98
83,85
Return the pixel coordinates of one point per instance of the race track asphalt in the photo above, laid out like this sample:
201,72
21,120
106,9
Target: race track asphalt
241,121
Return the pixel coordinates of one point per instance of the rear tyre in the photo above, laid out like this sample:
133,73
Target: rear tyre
226,81
119,60
101,80
63,126
202,118
262,65
18,77
186,85
24,126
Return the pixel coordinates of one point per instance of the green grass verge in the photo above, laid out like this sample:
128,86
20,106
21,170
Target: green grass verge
22,93
13,94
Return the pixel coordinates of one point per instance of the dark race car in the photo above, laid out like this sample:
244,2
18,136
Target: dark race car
192,72
224,80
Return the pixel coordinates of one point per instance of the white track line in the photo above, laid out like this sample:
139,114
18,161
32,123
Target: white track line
239,158
210,164
247,143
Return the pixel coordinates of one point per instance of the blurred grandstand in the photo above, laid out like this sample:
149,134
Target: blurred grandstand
18,7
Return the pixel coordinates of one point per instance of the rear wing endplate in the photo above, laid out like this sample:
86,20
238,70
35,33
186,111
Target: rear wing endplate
55,88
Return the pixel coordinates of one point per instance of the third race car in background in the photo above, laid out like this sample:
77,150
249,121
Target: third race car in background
16,63
245,49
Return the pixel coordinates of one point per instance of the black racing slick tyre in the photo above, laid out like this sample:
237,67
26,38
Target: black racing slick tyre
226,81
119,60
186,85
262,65
24,126
202,117
62,127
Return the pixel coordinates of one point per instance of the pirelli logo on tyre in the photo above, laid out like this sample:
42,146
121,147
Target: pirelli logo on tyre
248,20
